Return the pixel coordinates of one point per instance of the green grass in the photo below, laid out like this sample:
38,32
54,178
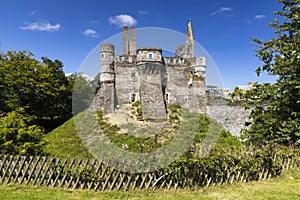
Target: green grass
64,142
285,187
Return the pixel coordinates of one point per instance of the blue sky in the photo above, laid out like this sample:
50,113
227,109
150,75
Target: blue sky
69,30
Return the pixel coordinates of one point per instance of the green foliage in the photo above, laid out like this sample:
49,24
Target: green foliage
139,111
38,86
215,137
136,104
174,108
82,92
218,165
276,115
19,138
95,83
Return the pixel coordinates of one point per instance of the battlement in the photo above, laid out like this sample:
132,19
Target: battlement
106,47
125,60
175,61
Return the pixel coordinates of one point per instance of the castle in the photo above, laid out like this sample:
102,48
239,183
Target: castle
145,75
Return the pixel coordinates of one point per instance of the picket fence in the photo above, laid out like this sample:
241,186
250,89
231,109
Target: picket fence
92,174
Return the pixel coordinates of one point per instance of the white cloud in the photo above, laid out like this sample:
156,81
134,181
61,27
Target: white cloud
90,32
40,26
221,10
259,17
143,12
122,20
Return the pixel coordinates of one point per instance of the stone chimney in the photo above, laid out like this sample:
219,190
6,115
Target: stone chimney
132,42
125,41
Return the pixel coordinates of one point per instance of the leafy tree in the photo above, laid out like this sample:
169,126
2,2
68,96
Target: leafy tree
82,92
39,87
18,137
276,113
95,83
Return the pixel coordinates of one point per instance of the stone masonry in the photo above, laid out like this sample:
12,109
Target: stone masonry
147,76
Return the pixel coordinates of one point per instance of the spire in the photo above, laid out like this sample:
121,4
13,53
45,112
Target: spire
190,30
190,40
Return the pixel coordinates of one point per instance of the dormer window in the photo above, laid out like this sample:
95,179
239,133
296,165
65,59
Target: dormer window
150,55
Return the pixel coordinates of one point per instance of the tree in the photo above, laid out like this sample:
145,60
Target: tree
17,137
95,83
39,87
276,113
82,92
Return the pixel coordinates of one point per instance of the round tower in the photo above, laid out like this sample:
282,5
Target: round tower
107,55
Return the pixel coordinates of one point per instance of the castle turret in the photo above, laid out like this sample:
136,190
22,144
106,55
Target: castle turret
107,78
107,55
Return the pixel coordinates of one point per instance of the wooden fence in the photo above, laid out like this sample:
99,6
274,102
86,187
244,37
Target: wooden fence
94,175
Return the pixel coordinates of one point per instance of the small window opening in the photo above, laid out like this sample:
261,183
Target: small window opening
133,76
133,96
167,98
150,55
186,99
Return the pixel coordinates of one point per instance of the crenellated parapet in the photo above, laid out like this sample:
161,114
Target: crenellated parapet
119,60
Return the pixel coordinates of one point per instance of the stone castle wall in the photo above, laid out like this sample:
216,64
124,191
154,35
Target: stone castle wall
231,117
151,93
127,82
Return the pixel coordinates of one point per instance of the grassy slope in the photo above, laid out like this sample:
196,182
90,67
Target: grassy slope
286,187
64,142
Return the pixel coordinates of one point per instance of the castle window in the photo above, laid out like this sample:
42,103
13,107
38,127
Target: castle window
102,55
186,99
150,55
168,98
133,76
132,97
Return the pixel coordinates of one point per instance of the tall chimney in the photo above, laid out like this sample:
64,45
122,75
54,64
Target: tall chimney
132,42
125,41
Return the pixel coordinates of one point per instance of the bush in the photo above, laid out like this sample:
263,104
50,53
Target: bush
19,138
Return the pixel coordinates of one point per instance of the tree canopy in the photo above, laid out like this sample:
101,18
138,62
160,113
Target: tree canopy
82,92
40,87
276,113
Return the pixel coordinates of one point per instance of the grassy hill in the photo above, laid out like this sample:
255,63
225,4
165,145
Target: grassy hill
64,142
